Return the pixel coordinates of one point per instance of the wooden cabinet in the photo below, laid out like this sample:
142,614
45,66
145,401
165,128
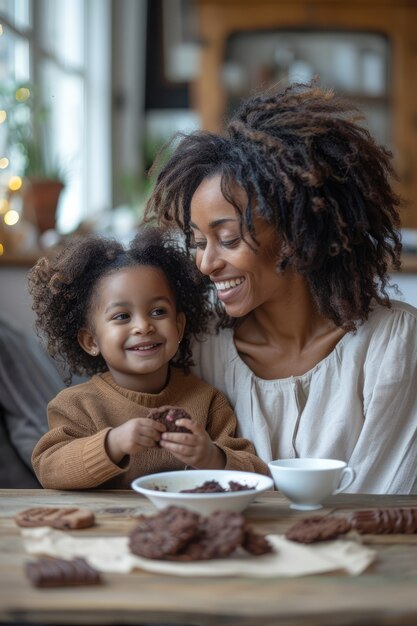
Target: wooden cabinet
220,21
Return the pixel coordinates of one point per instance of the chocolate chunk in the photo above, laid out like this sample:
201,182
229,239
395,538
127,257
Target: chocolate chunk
56,517
235,486
212,486
312,529
61,573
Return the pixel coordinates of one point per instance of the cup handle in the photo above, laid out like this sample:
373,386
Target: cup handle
347,471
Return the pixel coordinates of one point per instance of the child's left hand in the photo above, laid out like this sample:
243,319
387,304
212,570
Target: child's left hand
195,449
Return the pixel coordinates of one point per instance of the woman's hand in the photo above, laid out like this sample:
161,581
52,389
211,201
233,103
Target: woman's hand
133,437
195,449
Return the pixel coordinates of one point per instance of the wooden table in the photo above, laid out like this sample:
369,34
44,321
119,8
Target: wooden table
385,595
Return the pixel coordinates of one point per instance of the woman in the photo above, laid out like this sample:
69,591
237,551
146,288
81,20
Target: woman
294,221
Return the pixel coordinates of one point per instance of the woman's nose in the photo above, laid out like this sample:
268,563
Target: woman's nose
209,260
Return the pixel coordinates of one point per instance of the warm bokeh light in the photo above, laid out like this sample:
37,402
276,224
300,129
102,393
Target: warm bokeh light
11,218
15,183
1,29
4,162
3,116
4,205
22,94
1,249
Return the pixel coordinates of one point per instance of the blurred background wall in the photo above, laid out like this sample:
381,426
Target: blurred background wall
90,89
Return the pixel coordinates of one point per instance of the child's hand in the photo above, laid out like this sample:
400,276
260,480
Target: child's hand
195,449
132,437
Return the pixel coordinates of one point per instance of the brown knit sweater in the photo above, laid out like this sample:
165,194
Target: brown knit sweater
72,454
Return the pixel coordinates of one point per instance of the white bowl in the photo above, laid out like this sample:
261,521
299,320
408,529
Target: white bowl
204,503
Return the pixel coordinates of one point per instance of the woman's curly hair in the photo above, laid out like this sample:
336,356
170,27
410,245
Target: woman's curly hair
63,290
311,170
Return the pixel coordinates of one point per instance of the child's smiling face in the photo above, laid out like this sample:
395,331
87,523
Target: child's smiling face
134,325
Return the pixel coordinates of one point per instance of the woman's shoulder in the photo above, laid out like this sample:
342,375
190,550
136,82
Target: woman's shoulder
388,331
401,315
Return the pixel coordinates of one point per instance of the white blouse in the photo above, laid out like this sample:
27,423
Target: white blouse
359,404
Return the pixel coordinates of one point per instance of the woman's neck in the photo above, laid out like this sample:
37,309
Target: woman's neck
286,336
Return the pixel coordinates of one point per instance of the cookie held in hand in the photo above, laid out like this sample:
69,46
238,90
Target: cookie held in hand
168,415
56,517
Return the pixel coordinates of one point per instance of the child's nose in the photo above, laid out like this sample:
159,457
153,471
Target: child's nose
142,325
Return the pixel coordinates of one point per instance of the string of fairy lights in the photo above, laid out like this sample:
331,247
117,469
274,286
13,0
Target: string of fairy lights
11,183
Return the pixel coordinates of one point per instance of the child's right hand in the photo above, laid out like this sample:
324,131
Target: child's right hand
132,437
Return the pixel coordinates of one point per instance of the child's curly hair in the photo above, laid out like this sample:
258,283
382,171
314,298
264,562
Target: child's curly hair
63,290
309,169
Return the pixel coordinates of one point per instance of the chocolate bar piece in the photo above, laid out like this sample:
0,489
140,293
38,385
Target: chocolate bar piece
61,573
368,522
56,517
385,521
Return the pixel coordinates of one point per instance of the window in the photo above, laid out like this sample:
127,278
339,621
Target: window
63,50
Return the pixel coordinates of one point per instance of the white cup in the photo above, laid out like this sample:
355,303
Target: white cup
307,482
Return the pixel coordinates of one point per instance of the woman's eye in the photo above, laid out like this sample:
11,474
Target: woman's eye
231,243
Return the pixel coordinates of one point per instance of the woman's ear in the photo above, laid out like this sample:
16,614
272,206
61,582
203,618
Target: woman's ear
180,326
87,341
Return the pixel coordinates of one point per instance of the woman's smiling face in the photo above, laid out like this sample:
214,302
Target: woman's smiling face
243,272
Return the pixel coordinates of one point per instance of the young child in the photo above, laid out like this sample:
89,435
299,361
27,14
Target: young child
127,317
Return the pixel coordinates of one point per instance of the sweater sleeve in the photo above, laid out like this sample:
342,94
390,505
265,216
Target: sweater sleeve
72,454
221,426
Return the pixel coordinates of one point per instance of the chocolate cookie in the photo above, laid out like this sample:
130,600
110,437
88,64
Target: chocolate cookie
56,517
61,573
168,415
312,529
384,521
177,534
254,543
219,535
164,534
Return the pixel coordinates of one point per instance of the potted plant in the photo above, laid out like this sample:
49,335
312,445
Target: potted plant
43,181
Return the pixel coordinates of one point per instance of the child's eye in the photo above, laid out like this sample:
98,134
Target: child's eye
120,317
158,312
